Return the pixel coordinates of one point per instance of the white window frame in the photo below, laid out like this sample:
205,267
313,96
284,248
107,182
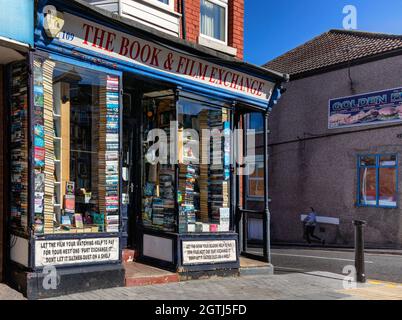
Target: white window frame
224,4
162,5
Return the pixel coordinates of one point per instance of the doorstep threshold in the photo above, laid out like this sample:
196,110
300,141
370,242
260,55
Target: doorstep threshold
139,274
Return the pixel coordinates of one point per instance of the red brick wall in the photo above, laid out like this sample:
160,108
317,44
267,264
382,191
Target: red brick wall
193,12
235,23
236,26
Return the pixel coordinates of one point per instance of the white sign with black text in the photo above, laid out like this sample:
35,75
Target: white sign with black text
207,252
76,251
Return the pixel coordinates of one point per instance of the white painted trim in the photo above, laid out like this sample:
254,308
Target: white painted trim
156,3
158,248
153,16
224,4
216,45
13,44
325,220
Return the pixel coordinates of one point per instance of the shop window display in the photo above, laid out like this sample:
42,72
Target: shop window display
76,149
204,175
159,179
190,195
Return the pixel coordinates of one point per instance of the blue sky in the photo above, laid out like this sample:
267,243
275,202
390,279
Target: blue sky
274,27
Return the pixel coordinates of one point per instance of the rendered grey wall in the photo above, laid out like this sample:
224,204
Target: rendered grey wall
308,168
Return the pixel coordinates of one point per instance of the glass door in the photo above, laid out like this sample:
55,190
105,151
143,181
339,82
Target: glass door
251,177
130,169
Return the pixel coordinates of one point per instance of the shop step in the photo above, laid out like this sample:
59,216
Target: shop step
129,255
138,274
250,267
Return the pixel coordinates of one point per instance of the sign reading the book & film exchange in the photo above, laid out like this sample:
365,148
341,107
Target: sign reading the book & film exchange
206,252
75,251
85,34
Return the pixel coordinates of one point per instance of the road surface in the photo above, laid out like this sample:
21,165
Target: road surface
384,267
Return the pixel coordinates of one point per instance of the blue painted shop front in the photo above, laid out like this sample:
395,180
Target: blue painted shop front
99,90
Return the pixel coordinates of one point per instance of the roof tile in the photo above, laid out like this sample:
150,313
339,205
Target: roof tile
332,48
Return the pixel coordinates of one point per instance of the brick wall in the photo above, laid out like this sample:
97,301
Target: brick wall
193,9
235,23
236,26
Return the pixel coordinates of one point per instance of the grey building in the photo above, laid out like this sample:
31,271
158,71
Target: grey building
336,139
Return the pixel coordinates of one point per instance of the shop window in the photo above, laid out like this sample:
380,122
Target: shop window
255,181
76,149
159,182
377,185
190,195
214,15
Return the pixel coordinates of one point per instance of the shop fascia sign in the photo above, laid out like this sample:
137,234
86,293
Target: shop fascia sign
373,108
81,33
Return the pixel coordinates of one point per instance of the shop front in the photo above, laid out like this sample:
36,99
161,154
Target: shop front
129,144
15,42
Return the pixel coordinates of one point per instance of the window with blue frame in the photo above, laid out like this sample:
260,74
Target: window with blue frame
377,180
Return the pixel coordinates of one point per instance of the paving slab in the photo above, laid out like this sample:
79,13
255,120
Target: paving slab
293,286
6,293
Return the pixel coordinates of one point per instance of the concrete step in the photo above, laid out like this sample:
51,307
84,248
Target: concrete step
250,267
138,274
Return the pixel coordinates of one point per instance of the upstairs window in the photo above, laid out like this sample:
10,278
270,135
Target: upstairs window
214,19
164,4
378,181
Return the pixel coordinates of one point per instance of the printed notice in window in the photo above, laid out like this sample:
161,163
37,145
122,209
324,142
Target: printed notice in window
207,252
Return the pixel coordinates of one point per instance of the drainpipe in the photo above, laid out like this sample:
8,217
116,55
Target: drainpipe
278,90
183,18
119,8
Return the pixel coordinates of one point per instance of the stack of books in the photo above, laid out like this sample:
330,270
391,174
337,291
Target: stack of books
109,164
49,201
203,178
190,202
19,147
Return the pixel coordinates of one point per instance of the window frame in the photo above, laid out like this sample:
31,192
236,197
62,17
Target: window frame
259,158
249,196
160,4
224,4
31,191
377,168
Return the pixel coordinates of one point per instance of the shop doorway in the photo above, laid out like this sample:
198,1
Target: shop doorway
140,101
251,197
7,56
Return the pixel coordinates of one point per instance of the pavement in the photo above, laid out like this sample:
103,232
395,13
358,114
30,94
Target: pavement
300,274
6,293
296,286
292,286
